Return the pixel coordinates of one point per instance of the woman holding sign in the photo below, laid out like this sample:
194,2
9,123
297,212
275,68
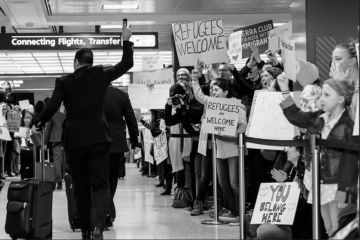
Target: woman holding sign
227,148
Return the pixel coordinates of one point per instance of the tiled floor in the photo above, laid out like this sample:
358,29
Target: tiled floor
141,214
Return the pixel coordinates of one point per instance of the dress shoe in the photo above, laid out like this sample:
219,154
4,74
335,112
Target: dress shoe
86,235
97,234
166,193
160,184
59,186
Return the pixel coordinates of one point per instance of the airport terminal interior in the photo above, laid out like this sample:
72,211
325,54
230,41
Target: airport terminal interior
213,85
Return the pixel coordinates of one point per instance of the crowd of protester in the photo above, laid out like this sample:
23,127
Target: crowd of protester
327,108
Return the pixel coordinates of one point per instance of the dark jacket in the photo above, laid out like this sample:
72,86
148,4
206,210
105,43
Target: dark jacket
187,115
83,93
117,105
337,165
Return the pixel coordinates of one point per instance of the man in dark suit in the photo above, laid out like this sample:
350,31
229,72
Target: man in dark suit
86,134
117,106
52,135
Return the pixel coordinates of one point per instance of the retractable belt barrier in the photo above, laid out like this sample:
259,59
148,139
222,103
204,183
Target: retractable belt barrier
314,145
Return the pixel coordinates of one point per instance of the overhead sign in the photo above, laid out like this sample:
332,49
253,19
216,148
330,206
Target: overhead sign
152,62
200,41
164,76
276,203
222,116
71,41
255,35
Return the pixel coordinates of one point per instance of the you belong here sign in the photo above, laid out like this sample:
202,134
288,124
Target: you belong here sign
222,116
200,40
276,203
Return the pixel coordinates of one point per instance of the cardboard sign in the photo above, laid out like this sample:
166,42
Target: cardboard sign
255,35
275,35
288,57
5,134
152,62
222,116
144,97
25,104
276,203
164,76
356,123
23,132
147,146
147,136
160,148
235,47
200,40
13,122
267,120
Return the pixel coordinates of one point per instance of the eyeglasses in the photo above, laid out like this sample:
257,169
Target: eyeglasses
223,70
182,75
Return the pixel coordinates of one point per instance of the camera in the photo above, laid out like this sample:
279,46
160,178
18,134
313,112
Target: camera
175,100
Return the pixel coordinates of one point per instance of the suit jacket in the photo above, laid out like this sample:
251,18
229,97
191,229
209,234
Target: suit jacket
117,105
83,93
54,128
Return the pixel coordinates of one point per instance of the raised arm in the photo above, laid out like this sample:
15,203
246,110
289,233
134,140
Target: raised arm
198,93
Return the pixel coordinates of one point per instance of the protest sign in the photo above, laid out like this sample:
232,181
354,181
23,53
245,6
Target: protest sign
288,57
160,148
222,116
147,136
267,120
255,35
13,122
152,62
24,104
164,76
4,134
235,47
200,40
356,123
276,203
147,146
23,132
275,35
144,97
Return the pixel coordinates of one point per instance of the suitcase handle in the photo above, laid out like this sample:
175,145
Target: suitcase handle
42,155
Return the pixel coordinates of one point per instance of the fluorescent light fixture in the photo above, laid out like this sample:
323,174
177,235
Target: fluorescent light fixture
146,53
120,6
47,54
22,58
101,53
112,26
165,52
19,54
68,54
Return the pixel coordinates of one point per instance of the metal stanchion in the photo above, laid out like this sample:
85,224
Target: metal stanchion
3,161
149,170
315,188
242,211
214,221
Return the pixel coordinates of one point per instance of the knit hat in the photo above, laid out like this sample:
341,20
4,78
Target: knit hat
184,70
176,89
308,98
306,73
344,88
274,71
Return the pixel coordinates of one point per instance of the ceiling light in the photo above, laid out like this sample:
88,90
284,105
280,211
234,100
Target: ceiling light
112,26
120,6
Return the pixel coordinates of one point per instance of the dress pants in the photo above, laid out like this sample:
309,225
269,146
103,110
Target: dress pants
58,160
114,166
89,168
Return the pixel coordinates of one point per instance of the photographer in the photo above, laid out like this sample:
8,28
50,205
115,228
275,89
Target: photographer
182,111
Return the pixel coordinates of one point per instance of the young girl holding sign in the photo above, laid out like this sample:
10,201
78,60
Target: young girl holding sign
339,168
227,148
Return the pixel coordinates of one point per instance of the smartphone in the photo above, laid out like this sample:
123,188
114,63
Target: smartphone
124,22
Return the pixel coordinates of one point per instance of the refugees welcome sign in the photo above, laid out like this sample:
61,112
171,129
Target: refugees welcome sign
222,116
200,40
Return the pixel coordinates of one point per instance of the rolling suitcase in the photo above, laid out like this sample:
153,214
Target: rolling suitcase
29,207
74,218
27,164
